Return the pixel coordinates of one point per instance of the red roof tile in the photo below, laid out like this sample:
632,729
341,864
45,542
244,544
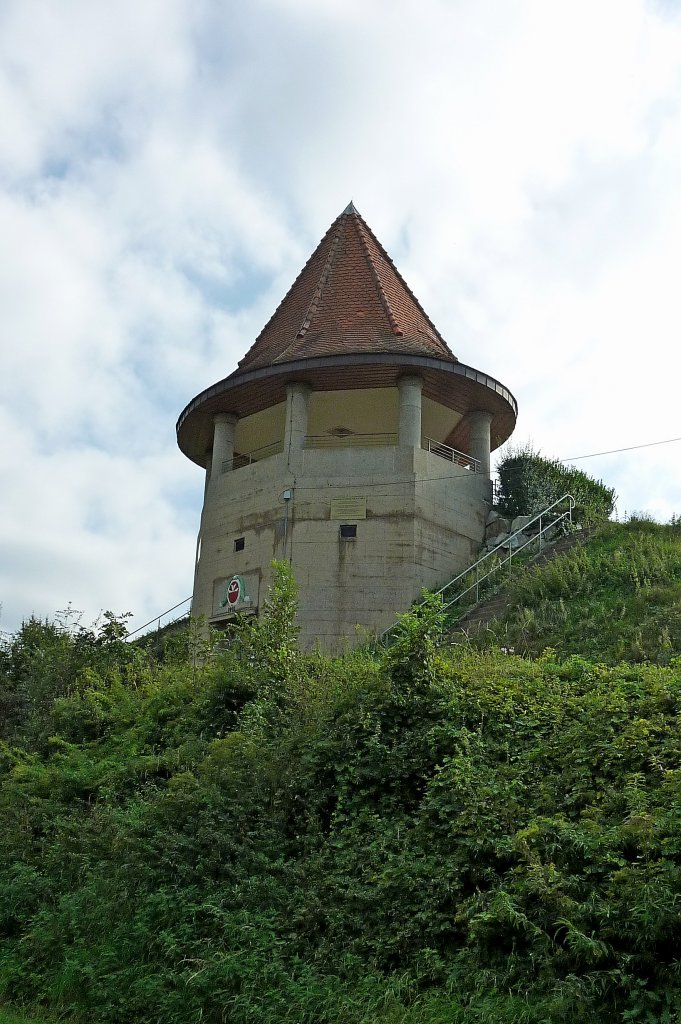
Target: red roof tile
349,298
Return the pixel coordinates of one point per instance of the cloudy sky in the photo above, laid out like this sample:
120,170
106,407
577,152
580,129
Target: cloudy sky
166,167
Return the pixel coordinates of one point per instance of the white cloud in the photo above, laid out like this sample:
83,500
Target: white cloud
167,167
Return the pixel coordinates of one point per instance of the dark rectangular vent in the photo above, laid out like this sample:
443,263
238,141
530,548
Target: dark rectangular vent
348,532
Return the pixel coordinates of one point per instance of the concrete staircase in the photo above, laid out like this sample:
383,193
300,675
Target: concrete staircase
496,605
472,585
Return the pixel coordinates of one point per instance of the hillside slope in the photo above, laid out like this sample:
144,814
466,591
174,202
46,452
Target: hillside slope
615,598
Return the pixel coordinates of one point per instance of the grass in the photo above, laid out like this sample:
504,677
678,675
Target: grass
617,598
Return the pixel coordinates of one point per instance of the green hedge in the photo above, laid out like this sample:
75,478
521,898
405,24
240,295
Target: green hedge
424,835
528,483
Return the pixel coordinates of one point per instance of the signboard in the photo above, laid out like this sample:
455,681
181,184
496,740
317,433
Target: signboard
233,594
348,508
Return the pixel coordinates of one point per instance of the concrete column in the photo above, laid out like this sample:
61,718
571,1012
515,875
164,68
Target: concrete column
409,435
297,409
223,441
209,466
479,439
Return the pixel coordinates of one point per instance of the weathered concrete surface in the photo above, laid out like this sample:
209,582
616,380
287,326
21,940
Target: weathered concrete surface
425,520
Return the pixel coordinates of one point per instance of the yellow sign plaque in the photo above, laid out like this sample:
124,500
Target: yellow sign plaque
348,508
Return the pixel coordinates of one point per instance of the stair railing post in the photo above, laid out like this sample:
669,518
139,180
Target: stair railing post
541,534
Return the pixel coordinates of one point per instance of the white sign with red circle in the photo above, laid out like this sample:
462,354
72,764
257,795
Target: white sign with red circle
234,593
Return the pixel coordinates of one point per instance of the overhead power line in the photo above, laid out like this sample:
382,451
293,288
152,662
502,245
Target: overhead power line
615,451
430,479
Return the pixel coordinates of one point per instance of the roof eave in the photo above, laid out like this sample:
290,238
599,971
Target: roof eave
244,392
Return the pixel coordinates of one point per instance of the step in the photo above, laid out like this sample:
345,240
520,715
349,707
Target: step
489,610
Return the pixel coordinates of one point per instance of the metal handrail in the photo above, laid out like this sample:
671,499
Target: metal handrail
349,440
248,458
451,454
157,618
508,542
497,565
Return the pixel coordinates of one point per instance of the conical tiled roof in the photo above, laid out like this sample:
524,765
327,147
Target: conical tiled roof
348,299
348,321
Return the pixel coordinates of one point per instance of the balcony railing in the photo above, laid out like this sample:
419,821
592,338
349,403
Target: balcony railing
246,459
451,454
383,440
350,440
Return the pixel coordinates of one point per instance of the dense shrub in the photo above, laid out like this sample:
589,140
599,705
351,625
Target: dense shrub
528,483
432,834
45,660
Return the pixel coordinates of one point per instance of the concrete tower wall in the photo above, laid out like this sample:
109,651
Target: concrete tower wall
418,520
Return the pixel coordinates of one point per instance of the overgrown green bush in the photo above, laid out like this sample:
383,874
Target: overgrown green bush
529,482
427,835
44,662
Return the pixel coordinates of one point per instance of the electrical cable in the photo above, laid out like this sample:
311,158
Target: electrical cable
432,479
615,451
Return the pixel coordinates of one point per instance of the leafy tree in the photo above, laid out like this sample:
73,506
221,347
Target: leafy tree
529,482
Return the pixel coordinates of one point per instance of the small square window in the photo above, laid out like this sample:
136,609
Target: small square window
239,544
348,532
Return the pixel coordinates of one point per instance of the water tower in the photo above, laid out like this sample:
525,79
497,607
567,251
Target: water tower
350,441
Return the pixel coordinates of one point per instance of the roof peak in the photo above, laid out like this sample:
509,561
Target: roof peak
349,298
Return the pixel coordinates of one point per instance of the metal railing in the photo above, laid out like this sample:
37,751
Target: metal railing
451,454
248,458
349,440
492,563
157,618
